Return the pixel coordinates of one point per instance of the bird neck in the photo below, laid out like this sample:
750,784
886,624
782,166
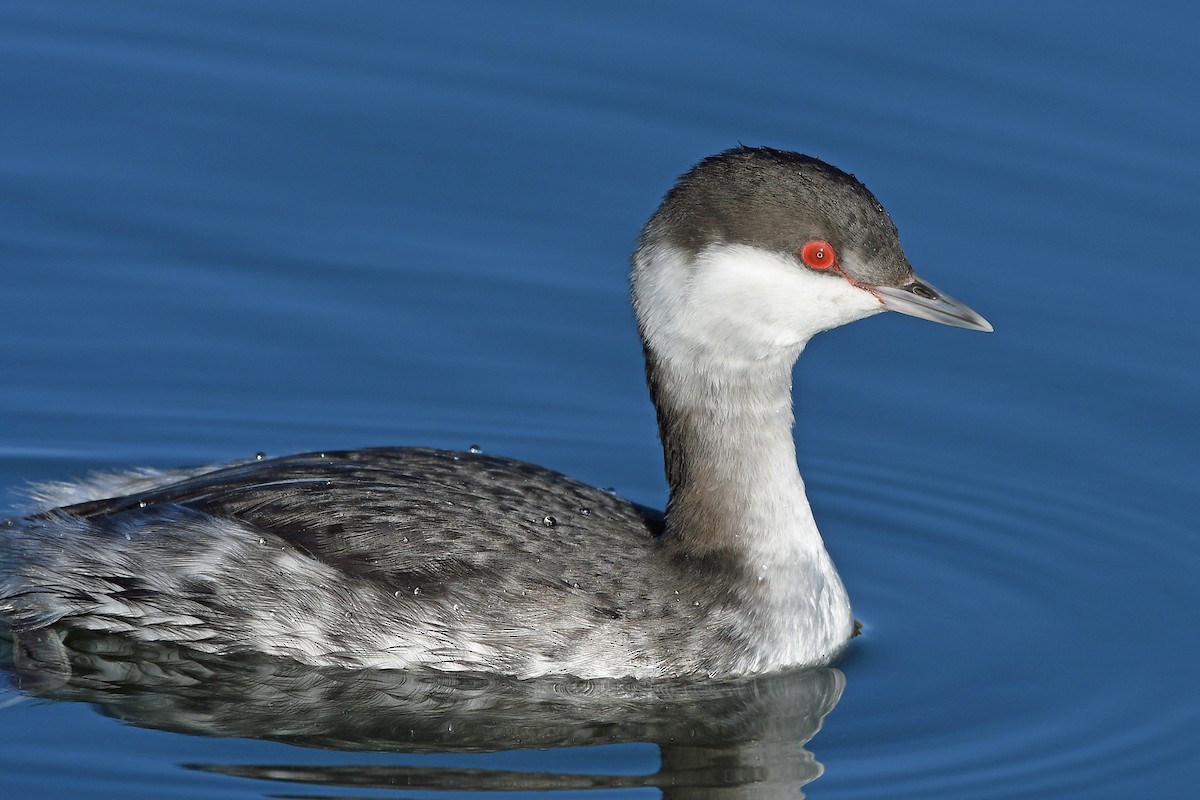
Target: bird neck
735,491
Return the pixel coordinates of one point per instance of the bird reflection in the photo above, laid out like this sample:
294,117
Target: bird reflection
727,739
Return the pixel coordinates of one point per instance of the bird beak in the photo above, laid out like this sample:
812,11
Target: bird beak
919,299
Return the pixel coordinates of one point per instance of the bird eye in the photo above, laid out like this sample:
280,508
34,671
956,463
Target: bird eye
819,254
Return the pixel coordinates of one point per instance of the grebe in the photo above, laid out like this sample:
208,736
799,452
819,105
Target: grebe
407,557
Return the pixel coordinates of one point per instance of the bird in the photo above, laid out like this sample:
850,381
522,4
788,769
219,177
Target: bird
421,558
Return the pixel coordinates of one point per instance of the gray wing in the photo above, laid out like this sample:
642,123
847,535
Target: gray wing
413,517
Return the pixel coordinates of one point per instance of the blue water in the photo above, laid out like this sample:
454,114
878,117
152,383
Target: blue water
229,227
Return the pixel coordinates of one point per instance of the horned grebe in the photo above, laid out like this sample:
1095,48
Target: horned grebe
406,557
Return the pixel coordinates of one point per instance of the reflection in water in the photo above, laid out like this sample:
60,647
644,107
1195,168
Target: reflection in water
731,739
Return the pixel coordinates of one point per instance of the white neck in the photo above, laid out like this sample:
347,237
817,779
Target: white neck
722,332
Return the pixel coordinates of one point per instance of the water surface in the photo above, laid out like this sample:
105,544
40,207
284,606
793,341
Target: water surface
238,227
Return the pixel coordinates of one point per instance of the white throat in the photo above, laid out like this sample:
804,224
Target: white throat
734,302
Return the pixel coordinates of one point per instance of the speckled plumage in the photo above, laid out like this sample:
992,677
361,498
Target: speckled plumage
346,558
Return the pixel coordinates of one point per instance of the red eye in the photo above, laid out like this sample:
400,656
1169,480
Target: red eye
819,254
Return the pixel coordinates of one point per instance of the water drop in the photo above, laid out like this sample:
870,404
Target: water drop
405,540
142,504
549,521
475,449
260,455
417,590
585,511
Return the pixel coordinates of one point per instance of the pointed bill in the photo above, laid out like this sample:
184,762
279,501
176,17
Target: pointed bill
920,299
